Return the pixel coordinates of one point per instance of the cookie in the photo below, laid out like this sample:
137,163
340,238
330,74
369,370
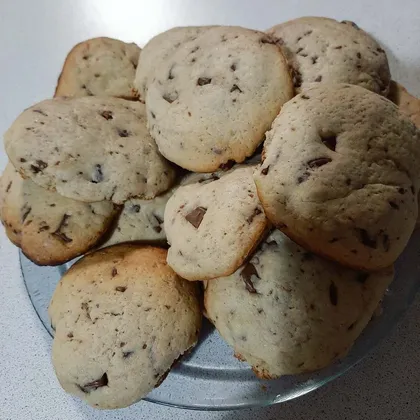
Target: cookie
323,50
211,93
340,175
213,226
288,311
409,105
122,317
100,66
49,228
89,149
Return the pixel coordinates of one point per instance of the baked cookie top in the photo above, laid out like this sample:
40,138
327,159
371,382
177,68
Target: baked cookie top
340,175
211,93
49,228
89,149
121,318
323,50
100,67
212,226
288,311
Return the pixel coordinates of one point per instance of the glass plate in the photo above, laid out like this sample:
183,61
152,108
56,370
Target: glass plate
210,378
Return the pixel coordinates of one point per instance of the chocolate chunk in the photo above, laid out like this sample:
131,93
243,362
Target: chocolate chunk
256,212
127,354
246,274
366,239
265,170
97,175
122,133
114,271
170,97
394,205
203,81
359,55
236,87
94,385
227,165
121,289
58,233
107,115
318,162
330,142
40,112
362,277
195,217
333,294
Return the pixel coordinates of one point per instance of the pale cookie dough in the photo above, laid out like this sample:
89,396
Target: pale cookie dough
323,50
340,175
122,318
213,226
49,228
211,93
100,66
89,149
288,311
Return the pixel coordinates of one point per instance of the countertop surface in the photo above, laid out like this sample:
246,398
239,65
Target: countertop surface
36,35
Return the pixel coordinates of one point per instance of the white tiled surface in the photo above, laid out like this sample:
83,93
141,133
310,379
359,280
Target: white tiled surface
35,36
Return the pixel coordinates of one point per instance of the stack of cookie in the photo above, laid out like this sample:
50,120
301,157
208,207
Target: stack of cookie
271,164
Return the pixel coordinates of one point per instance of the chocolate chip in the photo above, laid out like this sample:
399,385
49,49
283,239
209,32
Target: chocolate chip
144,346
89,93
338,47
94,385
40,112
203,81
362,277
22,160
246,274
401,190
394,205
97,175
170,97
304,97
233,67
122,133
365,238
227,165
349,22
351,326
58,233
26,213
330,142
302,178
318,162
268,40
43,228
70,335
307,33
359,55
256,212
348,181
107,115
380,50
135,208
235,87
333,294
9,185
299,50
195,217
265,170
170,74
121,289
127,354
314,59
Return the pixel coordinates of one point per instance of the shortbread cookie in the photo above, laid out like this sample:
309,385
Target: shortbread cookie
288,311
100,66
340,175
211,93
89,149
122,317
212,227
408,104
323,50
49,228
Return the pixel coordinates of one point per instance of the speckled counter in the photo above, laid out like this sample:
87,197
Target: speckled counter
35,38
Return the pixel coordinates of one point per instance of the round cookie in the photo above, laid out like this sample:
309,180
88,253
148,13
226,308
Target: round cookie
100,66
213,93
122,317
89,149
49,228
327,51
288,311
340,175
213,226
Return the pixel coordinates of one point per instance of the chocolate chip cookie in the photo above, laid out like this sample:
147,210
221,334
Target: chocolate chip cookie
122,317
